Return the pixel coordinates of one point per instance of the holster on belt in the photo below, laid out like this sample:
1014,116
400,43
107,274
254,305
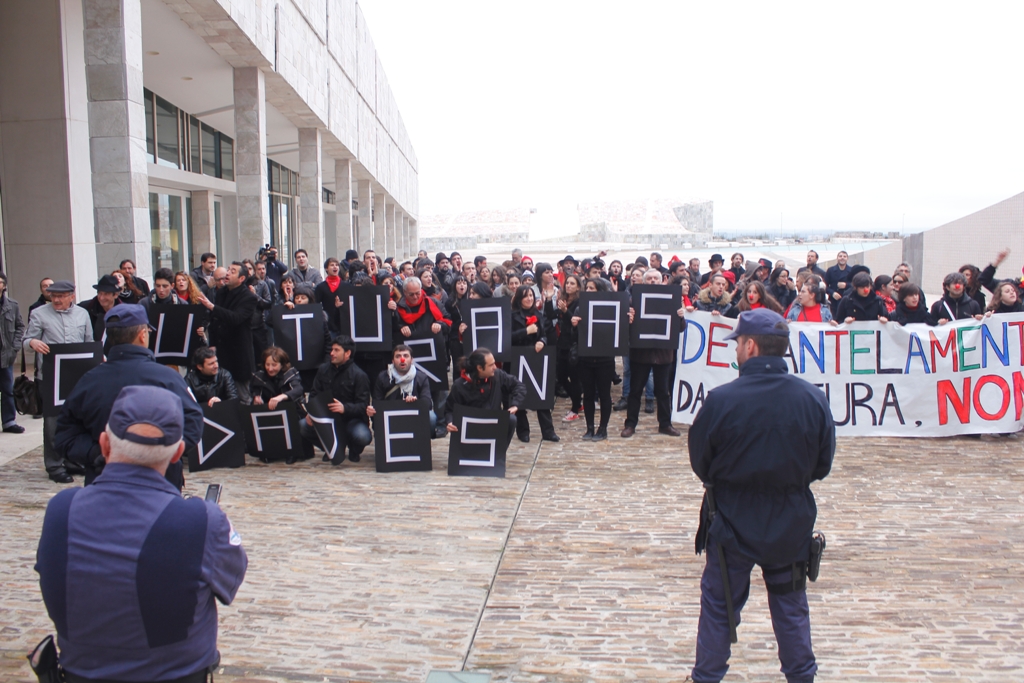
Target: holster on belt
45,662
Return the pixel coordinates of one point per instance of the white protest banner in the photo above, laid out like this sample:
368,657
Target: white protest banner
881,379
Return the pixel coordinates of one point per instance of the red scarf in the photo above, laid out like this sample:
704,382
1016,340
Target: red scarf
332,282
410,315
478,382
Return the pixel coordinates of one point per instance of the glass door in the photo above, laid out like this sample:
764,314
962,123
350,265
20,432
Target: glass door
170,222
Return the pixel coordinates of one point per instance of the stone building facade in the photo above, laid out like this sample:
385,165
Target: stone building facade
158,130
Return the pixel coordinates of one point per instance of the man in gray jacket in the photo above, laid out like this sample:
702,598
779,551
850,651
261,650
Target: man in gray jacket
303,273
58,322
12,330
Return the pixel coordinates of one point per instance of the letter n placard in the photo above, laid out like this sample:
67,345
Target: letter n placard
478,448
604,324
401,436
537,372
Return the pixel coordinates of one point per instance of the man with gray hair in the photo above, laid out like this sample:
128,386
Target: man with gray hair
516,261
417,314
129,570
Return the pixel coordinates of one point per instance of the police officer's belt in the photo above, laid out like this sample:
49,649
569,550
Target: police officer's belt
197,677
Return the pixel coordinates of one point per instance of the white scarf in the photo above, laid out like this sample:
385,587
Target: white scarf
403,382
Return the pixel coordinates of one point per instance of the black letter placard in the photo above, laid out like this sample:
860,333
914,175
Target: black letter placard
488,325
368,317
604,325
175,337
272,434
478,448
401,436
63,366
300,332
223,444
537,372
428,354
326,425
655,316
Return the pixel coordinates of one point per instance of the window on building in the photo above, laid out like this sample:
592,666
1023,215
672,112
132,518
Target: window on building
166,133
150,128
227,157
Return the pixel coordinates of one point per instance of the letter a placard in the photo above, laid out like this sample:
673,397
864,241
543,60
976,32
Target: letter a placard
300,332
478,448
223,444
63,366
488,325
604,324
272,434
401,436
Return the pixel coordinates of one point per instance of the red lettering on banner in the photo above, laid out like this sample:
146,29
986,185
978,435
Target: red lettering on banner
712,344
1003,387
1019,324
961,406
1018,393
837,334
949,348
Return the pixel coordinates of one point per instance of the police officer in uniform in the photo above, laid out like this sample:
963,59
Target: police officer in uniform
129,361
128,569
757,444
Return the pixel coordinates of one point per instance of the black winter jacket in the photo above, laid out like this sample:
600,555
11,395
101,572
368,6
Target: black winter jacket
204,387
761,456
501,392
420,388
520,337
904,315
287,382
346,383
962,308
861,308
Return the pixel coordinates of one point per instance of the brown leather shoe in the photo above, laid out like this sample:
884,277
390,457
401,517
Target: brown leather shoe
627,432
669,431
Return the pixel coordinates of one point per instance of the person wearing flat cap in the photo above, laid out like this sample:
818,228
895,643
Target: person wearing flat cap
58,322
757,444
129,362
97,307
130,571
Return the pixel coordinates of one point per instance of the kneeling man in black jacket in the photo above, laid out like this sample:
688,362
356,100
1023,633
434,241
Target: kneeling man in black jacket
349,390
206,380
483,385
402,382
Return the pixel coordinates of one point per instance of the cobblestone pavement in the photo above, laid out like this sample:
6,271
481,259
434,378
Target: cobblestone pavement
579,566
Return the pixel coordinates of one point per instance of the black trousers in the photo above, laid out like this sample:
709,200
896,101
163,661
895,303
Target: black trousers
596,377
547,426
261,341
662,383
569,377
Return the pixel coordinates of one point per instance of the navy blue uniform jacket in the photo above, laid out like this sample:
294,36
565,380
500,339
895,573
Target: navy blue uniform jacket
86,411
761,440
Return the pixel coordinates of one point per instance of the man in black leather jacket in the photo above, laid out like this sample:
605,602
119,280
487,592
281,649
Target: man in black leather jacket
207,382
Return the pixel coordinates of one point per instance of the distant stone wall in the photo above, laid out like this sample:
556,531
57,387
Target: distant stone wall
599,232
459,243
698,218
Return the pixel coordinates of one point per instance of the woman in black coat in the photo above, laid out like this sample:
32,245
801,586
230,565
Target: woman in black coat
568,374
1005,298
531,328
910,309
861,304
277,381
780,287
596,375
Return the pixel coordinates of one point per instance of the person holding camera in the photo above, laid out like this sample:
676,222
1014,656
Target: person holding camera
128,569
757,457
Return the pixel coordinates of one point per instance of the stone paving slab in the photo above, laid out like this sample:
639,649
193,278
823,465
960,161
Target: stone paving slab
358,576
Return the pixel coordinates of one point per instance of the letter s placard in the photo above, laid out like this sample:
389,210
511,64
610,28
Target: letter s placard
478,448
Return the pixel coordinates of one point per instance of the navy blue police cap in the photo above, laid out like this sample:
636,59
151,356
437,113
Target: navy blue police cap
760,321
147,405
126,315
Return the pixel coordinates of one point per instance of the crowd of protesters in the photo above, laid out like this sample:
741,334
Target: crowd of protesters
241,360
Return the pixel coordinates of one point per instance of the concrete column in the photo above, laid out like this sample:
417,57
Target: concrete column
45,173
251,161
311,196
400,251
117,133
389,218
365,237
380,240
343,204
414,238
410,251
204,225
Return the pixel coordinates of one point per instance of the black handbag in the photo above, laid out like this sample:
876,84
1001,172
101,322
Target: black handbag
27,400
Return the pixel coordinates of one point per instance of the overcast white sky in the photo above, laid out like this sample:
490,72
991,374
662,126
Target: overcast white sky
835,116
